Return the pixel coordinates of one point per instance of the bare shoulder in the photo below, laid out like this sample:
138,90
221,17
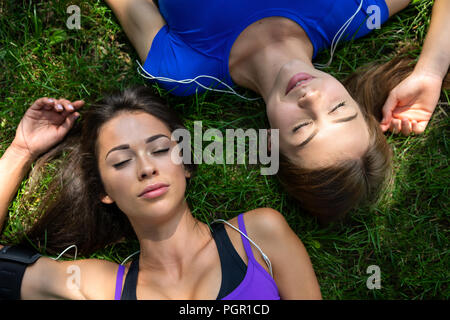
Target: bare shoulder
265,224
262,221
266,227
396,6
141,21
291,265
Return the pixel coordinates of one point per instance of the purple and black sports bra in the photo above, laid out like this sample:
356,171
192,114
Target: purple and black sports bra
239,281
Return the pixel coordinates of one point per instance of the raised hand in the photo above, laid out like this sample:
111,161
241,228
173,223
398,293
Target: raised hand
411,103
45,124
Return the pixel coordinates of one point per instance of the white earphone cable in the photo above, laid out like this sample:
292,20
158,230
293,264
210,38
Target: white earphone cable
333,43
126,259
266,259
149,76
68,248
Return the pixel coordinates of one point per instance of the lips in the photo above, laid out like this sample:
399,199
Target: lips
154,190
299,79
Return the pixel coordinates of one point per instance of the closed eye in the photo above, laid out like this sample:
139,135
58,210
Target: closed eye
161,151
120,164
300,126
337,107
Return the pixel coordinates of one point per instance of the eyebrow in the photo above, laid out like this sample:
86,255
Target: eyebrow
127,146
346,119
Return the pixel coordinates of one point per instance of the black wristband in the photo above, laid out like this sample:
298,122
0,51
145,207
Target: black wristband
13,263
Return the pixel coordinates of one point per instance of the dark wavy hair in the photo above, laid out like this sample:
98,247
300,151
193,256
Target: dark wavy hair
72,212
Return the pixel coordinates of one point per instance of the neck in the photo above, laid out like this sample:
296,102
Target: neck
171,245
260,62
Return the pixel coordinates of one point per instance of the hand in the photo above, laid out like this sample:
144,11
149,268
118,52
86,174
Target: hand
44,125
411,103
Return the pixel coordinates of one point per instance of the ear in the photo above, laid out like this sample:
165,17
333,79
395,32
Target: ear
187,173
269,144
107,200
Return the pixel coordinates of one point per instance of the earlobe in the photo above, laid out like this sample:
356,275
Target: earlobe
107,200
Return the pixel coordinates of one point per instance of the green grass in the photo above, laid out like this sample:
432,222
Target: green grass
406,234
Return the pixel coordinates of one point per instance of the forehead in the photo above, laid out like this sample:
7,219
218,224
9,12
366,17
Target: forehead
129,128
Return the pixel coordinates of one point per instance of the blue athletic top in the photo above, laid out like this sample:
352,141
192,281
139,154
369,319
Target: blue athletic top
198,36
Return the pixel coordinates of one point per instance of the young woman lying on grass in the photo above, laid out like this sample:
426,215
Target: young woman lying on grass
120,181
334,154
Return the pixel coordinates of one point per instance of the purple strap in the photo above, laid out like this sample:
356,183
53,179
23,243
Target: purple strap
119,281
257,284
246,243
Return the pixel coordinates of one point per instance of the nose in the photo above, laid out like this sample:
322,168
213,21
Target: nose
146,169
308,98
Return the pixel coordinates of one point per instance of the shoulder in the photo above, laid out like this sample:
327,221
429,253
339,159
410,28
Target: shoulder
395,6
265,220
181,69
291,265
266,227
265,224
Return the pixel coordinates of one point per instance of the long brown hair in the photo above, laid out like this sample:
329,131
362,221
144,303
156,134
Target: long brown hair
71,206
329,193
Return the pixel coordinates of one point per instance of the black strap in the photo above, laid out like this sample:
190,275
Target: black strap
129,289
20,254
13,263
233,267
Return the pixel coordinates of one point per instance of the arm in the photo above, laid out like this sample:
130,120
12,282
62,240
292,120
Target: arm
292,268
140,20
44,124
89,279
411,103
395,6
435,56
14,165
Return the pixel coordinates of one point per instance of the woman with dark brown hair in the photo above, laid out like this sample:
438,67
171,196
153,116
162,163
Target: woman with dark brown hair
123,179
333,151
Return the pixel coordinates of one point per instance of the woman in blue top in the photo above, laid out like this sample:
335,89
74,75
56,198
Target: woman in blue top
333,151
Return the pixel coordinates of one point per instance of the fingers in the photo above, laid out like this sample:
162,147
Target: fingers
385,126
62,106
43,103
395,126
401,126
69,121
406,127
389,105
78,104
419,127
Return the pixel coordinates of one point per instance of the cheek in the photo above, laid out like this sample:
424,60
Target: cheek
114,183
284,145
336,90
175,174
284,115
